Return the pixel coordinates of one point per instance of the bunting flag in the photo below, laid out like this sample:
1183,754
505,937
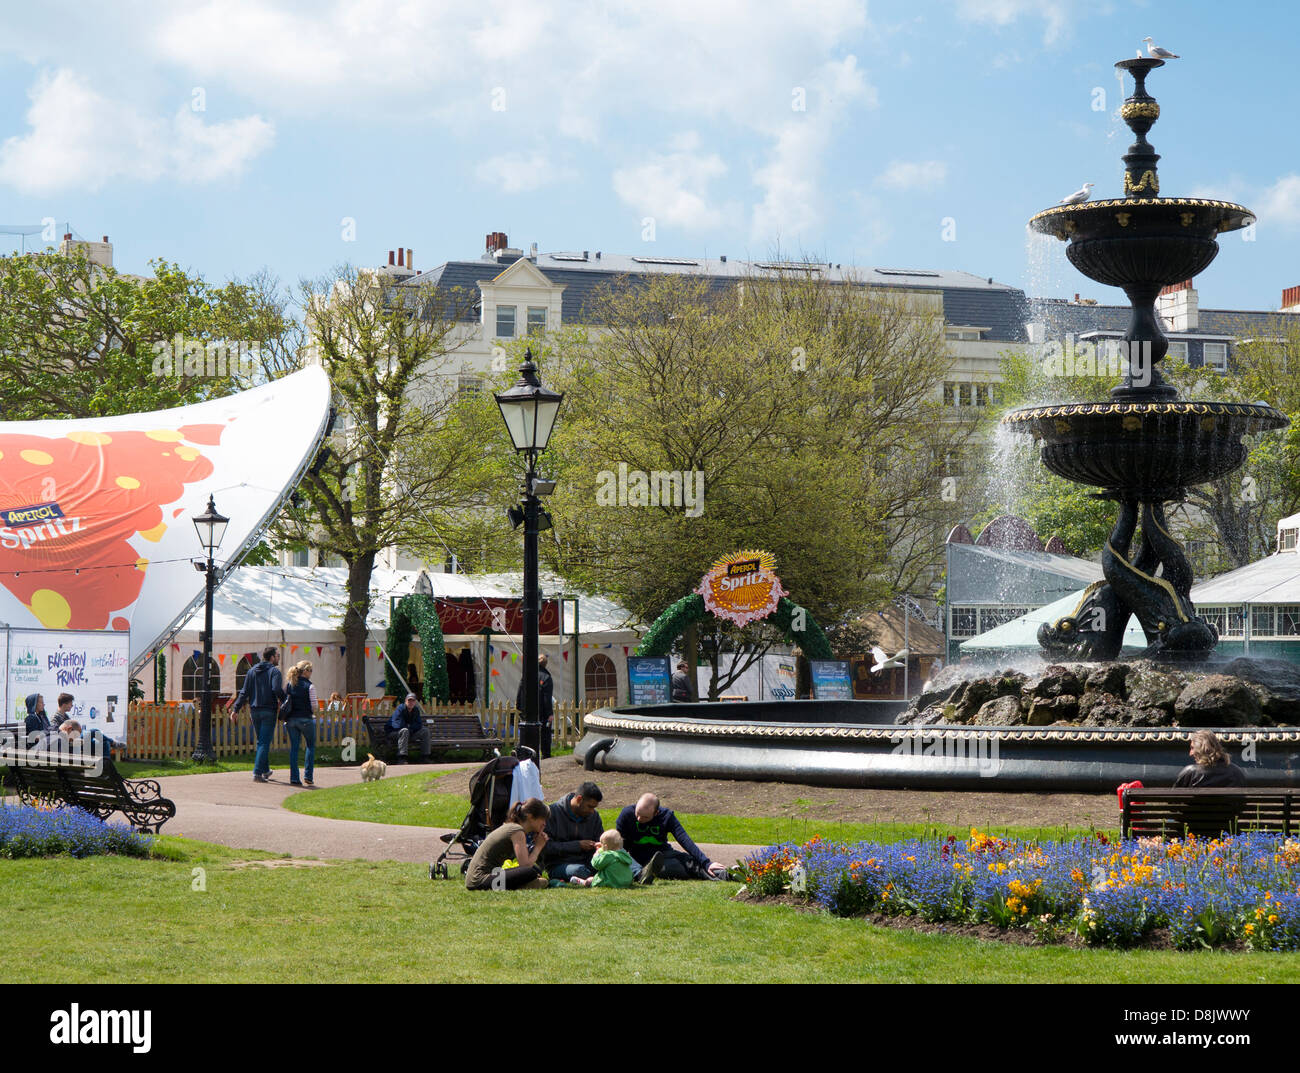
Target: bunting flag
625,650
367,652
221,658
495,671
343,650
176,647
320,649
566,655
197,655
514,657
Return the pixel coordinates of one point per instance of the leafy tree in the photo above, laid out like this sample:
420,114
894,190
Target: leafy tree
403,452
81,340
792,402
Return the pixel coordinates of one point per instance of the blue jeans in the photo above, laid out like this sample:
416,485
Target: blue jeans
567,870
301,726
264,725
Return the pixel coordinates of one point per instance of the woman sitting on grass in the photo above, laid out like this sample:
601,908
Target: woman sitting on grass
510,841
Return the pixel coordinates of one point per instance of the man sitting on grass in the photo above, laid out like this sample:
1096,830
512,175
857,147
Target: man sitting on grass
646,828
574,830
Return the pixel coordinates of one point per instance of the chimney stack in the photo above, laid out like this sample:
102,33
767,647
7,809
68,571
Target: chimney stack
410,259
496,240
401,257
1291,300
392,259
1180,306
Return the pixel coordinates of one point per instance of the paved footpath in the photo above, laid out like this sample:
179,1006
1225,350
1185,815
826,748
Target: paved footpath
232,810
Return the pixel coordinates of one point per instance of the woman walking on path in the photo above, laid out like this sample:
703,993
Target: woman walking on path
300,695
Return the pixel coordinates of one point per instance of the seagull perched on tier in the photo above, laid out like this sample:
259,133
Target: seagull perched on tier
1079,196
1157,52
885,662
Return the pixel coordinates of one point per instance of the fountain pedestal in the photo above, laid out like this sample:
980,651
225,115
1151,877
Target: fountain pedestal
1145,446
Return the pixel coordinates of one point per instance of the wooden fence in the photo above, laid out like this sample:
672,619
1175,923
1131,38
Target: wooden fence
169,731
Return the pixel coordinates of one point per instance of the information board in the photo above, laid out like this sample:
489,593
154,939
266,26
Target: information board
830,679
92,665
649,679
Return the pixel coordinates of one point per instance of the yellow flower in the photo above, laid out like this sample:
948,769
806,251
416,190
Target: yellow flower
1250,929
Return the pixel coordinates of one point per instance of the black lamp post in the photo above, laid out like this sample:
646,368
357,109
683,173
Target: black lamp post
529,411
211,528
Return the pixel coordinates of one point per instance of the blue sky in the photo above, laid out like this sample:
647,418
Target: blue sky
236,136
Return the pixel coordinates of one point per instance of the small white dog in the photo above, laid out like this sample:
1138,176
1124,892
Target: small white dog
373,770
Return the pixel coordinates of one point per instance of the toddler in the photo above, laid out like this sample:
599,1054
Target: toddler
612,863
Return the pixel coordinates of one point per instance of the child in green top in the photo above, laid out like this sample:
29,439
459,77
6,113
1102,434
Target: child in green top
612,863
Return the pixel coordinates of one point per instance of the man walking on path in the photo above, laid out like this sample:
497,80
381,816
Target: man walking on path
646,828
263,691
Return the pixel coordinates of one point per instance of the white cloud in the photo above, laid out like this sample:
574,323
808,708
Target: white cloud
673,187
78,139
914,175
1005,12
518,173
1281,202
790,179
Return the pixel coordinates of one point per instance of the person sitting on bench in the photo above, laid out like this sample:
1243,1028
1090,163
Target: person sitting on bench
1212,766
646,828
58,742
408,720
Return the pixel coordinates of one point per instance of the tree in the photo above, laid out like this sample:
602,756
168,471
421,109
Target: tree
703,419
81,340
403,451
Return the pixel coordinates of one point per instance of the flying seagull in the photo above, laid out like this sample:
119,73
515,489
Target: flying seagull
885,662
1157,52
1079,196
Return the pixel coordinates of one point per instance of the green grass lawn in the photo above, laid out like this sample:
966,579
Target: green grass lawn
142,921
415,800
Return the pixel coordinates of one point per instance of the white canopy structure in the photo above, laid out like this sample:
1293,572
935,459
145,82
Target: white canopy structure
299,610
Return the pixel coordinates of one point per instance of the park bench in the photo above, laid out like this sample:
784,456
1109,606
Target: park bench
90,783
447,733
1209,811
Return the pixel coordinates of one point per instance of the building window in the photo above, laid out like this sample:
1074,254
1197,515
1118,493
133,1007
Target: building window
1178,350
992,617
963,394
1288,620
964,622
192,678
1288,540
981,394
505,322
245,664
949,393
468,387
600,678
1227,620
536,319
1261,621
966,335
1216,356
301,557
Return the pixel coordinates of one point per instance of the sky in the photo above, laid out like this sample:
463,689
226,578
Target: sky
245,135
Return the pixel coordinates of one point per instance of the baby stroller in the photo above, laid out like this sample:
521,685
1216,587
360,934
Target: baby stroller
489,801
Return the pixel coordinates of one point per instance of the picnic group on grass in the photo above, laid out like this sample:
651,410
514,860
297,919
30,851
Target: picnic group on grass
566,842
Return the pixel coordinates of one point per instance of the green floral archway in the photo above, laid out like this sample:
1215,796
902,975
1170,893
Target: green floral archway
418,614
659,639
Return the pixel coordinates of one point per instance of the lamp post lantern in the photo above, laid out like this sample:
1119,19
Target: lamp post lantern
211,527
529,411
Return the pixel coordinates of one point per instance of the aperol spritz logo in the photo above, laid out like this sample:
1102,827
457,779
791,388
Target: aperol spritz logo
743,587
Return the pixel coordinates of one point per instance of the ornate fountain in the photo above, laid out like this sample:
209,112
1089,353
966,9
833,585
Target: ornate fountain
1145,446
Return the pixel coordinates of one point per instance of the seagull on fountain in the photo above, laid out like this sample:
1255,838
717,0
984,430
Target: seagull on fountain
1079,196
886,662
1156,52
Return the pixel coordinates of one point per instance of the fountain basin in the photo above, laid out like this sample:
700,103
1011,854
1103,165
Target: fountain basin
808,742
1149,450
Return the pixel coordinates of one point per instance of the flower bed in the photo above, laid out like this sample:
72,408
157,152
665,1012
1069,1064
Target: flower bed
27,831
1206,893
